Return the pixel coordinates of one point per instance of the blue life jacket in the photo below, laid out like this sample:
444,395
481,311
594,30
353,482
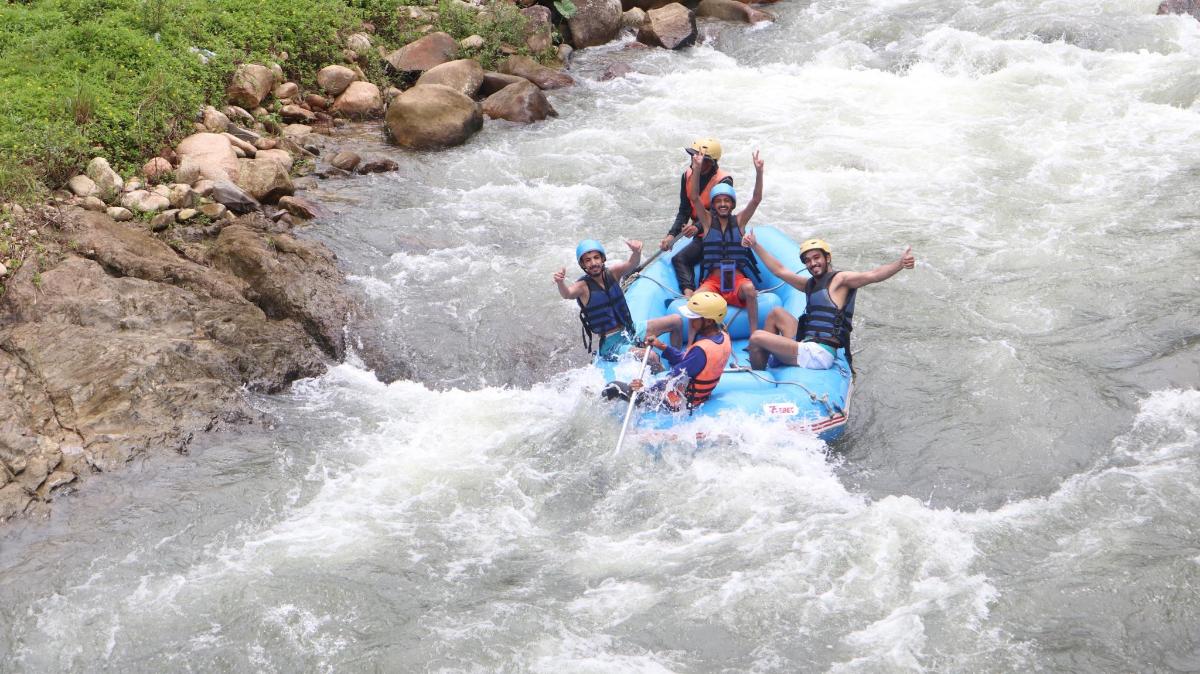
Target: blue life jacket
605,311
727,245
823,321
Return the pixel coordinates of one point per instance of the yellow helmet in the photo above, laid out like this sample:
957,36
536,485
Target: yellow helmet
705,305
815,244
706,146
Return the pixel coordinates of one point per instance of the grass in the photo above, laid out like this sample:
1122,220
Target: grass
123,78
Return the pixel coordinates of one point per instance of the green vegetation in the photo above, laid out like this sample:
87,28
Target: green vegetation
122,78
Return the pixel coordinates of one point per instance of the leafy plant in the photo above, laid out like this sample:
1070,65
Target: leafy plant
566,8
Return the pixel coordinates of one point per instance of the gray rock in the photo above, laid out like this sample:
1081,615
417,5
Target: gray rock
300,207
545,78
595,22
522,102
432,50
334,79
431,116
462,75
251,84
378,165
83,186
669,27
233,197
345,160
107,180
120,214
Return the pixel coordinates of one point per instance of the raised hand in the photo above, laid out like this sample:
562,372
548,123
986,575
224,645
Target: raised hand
697,162
758,163
635,246
560,275
907,260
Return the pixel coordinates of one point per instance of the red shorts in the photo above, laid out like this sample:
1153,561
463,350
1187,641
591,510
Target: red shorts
712,284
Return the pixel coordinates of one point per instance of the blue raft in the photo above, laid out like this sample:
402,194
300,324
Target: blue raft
815,401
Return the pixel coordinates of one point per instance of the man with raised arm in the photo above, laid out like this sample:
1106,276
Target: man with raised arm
602,307
689,211
725,263
812,339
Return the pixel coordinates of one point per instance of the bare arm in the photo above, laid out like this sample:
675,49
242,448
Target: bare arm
786,275
694,193
620,269
858,279
748,212
568,292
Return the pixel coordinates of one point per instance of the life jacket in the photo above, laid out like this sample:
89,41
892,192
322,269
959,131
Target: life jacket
705,197
605,310
717,355
823,321
727,245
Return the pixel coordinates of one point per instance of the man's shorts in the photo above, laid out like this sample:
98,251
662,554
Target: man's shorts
712,284
612,346
813,356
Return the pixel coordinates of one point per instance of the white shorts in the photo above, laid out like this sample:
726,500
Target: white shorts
813,356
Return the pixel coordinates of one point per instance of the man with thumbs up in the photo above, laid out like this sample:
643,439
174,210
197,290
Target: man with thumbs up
812,339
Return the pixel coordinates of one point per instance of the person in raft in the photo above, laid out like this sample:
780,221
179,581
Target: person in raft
711,175
812,339
602,307
694,372
725,263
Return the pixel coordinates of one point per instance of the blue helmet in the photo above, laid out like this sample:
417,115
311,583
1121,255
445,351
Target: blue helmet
587,246
722,188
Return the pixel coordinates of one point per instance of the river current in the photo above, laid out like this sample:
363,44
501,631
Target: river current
1017,489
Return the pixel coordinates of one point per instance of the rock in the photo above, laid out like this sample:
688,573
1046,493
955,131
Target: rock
296,114
1180,7
432,116
359,100
731,10
522,102
141,201
94,204
120,214
162,221
316,101
36,470
13,501
203,188
181,195
287,90
225,192
472,42
564,53
214,120
243,134
186,214
669,27
493,82
463,75
239,113
206,155
634,18
297,130
281,157
429,51
595,22
156,169
55,480
359,42
378,165
300,207
334,79
615,70
345,160
248,149
539,31
264,179
83,186
3,273
250,85
107,180
213,211
545,78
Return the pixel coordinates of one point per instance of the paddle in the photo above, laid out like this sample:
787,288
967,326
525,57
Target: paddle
632,400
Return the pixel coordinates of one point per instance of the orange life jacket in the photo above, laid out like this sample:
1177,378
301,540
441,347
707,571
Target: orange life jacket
705,199
716,356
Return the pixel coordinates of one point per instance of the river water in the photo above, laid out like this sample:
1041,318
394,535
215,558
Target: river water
1018,485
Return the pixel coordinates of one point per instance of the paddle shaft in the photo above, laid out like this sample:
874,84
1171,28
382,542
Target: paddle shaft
632,399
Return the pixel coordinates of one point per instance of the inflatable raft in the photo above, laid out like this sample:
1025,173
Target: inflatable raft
815,401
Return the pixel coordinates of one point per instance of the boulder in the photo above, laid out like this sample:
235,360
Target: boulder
119,213
287,90
1180,7
377,165
243,134
181,195
141,201
214,120
523,102
316,101
539,32
432,116
432,50
545,78
206,155
264,179
294,114
297,130
334,79
595,22
359,42
214,211
226,193
282,157
634,18
493,82
94,204
462,75
83,186
358,101
250,85
345,160
300,207
472,42
615,70
731,10
670,27
155,169
248,149
107,180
